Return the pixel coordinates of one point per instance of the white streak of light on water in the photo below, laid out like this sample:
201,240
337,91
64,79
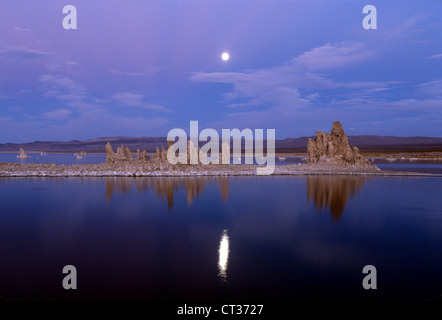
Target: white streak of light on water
223,255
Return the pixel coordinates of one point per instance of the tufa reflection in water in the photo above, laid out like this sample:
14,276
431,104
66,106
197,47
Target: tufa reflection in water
223,256
165,187
333,192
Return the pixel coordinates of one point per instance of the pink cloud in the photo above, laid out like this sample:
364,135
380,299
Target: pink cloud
333,56
136,100
59,114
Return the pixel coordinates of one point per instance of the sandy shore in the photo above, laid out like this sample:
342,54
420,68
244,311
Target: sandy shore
139,169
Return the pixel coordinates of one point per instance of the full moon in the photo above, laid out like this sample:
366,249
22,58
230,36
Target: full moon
225,56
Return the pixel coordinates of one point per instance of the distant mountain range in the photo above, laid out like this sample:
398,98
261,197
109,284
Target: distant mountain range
364,143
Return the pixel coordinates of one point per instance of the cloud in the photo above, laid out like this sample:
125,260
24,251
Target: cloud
286,96
24,53
4,96
23,30
313,96
283,95
61,87
88,120
96,120
86,114
405,29
90,114
359,116
59,81
432,88
436,56
392,108
59,114
280,86
144,73
5,119
136,100
333,56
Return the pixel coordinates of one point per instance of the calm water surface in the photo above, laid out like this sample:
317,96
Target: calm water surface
221,238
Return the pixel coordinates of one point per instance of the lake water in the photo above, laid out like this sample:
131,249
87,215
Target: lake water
57,158
273,237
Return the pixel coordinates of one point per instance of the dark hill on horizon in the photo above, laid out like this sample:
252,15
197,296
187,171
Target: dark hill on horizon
371,143
366,143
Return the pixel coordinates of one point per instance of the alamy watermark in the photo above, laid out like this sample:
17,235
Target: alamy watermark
184,151
368,22
370,280
70,20
70,281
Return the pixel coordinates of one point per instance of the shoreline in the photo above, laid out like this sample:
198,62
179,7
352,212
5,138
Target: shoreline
136,169
369,155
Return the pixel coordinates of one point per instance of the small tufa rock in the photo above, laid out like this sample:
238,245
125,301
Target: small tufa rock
128,154
119,155
192,153
123,154
202,157
142,155
110,155
23,154
163,153
225,153
170,154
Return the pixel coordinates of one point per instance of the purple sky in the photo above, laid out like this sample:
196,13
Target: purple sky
141,68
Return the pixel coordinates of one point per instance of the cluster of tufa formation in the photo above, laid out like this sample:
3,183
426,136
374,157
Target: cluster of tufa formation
194,156
124,154
334,148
